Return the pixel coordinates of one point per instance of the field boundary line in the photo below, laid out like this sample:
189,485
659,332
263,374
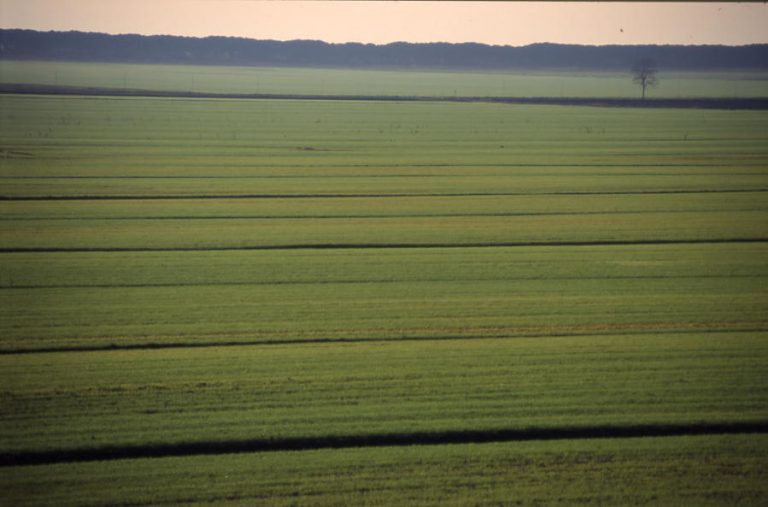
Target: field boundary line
372,217
386,281
108,453
377,176
524,333
747,103
385,246
361,196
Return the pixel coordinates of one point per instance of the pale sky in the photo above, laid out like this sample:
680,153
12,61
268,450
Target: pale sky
505,23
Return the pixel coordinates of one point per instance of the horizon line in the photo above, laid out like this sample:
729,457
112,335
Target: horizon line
374,44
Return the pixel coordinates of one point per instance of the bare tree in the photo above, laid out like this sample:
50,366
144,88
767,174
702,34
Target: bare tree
644,74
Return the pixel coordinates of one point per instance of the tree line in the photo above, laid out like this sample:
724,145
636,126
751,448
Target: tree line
81,46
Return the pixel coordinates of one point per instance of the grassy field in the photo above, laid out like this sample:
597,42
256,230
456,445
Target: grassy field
98,299
706,471
286,80
188,395
309,276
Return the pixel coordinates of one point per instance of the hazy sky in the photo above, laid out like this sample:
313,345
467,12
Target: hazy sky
513,23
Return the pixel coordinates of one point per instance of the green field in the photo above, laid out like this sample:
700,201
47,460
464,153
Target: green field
286,80
132,398
705,471
315,275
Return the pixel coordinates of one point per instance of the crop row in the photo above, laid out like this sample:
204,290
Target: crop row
99,299
66,137
394,186
201,234
395,207
709,470
60,401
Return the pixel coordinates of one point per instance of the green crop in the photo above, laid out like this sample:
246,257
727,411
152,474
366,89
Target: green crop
176,274
706,471
152,397
273,80
98,299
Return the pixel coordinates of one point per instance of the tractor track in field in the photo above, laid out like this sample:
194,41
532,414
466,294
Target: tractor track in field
383,246
371,217
107,453
161,285
377,176
524,332
363,195
751,103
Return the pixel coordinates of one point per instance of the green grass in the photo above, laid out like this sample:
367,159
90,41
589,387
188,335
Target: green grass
212,234
318,390
55,300
614,263
379,82
381,207
346,342
129,145
705,471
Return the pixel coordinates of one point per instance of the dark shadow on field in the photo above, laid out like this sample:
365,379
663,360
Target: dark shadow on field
87,197
374,440
364,246
708,328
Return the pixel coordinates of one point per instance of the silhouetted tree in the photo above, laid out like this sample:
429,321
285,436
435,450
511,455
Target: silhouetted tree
644,74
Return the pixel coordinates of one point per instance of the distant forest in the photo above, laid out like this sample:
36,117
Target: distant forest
99,47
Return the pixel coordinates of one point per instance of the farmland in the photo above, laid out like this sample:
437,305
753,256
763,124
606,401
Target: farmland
707,471
445,83
320,302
